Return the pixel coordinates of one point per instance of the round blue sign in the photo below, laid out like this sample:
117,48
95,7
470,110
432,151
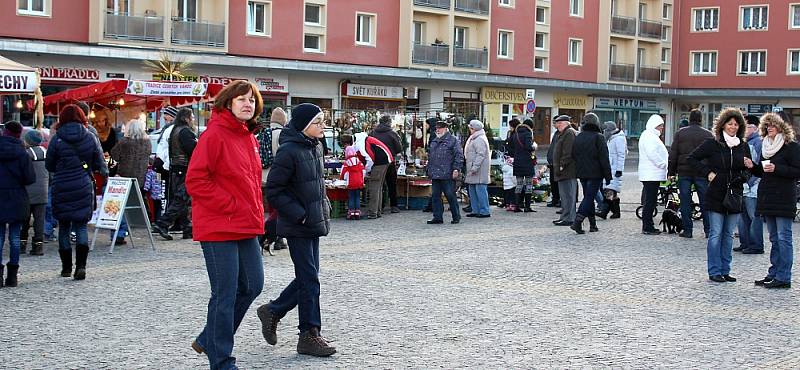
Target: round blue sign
530,106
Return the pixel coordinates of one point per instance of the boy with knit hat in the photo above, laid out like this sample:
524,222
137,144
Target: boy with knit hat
37,193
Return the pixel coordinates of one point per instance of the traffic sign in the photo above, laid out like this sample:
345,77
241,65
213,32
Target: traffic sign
530,106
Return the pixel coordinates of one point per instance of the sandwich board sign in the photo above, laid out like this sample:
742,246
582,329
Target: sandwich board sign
118,203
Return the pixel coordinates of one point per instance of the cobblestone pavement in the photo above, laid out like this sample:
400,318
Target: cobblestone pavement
511,291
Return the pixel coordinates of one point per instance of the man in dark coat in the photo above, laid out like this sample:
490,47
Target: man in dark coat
591,166
555,200
445,159
564,171
383,132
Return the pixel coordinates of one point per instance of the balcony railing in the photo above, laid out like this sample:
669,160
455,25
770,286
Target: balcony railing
621,72
649,75
441,4
470,58
650,29
623,25
198,33
121,26
473,6
431,54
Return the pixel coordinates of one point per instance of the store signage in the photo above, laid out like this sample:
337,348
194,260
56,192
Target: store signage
114,200
571,101
115,75
69,74
153,88
759,108
184,78
530,93
498,95
17,81
626,103
271,85
219,80
374,91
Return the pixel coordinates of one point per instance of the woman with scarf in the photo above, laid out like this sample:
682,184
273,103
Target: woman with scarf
722,160
779,171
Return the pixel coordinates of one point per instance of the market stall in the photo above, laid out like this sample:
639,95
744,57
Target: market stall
19,79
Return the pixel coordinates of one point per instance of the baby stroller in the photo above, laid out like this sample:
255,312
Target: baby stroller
668,194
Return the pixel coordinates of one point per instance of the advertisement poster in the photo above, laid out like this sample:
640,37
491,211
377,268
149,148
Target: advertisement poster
153,88
112,208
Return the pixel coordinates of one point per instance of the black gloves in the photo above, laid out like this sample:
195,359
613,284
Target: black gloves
608,181
618,174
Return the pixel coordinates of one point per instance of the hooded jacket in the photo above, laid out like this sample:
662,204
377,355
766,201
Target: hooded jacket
224,181
686,140
591,153
776,188
388,137
37,192
617,151
653,155
72,187
16,171
352,169
522,142
478,159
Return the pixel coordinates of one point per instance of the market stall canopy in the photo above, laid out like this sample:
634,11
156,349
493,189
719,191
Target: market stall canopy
16,78
149,94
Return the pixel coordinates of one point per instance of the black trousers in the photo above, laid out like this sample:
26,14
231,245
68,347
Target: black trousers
391,184
37,210
554,193
649,199
178,207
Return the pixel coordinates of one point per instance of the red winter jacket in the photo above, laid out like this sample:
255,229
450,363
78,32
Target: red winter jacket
353,172
224,181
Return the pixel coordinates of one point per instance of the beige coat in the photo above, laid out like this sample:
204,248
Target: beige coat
478,159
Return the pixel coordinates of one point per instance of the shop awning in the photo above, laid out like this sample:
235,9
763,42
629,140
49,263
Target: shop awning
17,78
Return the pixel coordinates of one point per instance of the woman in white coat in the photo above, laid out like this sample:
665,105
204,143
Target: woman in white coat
617,150
478,163
653,157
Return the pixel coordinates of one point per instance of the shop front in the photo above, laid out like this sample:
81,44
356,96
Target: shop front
464,104
500,105
631,114
363,97
574,106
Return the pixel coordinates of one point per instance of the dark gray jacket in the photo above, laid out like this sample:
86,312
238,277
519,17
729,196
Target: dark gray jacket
444,157
37,192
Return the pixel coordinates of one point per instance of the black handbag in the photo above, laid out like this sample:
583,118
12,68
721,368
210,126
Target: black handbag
732,201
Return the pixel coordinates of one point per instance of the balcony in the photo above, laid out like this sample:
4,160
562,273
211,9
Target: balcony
473,6
623,25
621,72
431,54
441,4
650,29
470,58
198,33
649,75
121,26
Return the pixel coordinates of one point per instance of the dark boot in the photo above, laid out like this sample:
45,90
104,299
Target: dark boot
1,275
269,323
187,234
577,225
37,249
615,208
527,200
23,246
518,202
311,343
281,242
66,262
11,278
593,225
81,254
604,209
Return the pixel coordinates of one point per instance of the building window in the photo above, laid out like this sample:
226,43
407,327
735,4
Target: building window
460,37
665,30
612,54
505,44
506,3
752,62
794,61
506,114
575,51
665,55
540,64
118,7
312,43
706,19
667,11
365,29
754,18
313,14
704,63
541,15
258,18
576,8
794,16
187,10
541,41
32,7
664,75
419,33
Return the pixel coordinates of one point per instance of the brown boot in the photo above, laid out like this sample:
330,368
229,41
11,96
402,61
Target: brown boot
311,343
269,323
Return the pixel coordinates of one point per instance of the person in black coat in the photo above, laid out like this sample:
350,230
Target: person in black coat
524,166
591,166
383,132
296,189
722,160
72,156
779,171
16,172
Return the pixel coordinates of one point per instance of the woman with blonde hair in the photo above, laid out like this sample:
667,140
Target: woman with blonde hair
779,171
132,155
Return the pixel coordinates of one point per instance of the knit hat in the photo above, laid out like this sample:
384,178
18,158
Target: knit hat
170,111
33,138
684,122
278,115
302,115
13,129
609,128
476,125
752,119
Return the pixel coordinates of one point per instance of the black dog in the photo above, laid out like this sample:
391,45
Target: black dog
671,221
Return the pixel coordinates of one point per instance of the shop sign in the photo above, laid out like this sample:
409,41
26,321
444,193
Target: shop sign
151,88
571,101
759,108
500,95
184,78
115,75
17,81
114,199
220,80
69,74
271,85
625,103
374,91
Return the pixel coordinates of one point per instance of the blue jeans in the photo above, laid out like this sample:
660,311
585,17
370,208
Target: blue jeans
123,229
590,190
751,227
444,186
236,276
354,199
720,242
685,195
14,229
781,253
479,198
303,291
64,227
50,222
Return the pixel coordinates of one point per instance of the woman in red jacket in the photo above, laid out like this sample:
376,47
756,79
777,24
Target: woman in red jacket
224,181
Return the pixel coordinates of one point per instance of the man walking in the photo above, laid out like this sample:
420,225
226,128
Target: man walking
555,200
685,141
445,158
564,170
383,132
268,143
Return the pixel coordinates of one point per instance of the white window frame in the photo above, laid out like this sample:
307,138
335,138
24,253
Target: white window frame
665,56
704,54
185,17
464,38
506,113
612,53
575,60
544,41
544,15
251,5
665,32
794,7
692,24
576,12
740,55
510,44
665,13
321,14
421,33
789,62
320,43
664,72
752,7
544,64
115,10
45,12
505,3
372,33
